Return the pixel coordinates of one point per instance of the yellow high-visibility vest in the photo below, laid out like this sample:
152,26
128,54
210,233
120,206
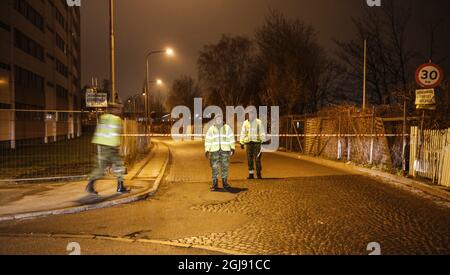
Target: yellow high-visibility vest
222,139
253,132
108,131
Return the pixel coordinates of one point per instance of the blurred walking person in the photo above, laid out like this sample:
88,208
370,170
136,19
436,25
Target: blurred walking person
107,138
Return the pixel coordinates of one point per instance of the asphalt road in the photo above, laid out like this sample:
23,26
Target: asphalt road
300,208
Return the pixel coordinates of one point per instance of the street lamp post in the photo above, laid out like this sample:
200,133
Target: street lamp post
168,52
112,46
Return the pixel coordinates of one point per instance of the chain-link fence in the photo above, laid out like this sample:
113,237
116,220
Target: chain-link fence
43,145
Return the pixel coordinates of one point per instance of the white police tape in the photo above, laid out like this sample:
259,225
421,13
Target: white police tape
280,135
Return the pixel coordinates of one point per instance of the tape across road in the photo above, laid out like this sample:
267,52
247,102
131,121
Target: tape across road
279,135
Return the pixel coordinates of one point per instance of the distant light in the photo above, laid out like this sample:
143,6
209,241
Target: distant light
159,82
3,81
170,52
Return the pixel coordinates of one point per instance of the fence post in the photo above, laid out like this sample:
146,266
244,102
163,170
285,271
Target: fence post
12,129
339,150
372,132
349,149
55,127
349,141
412,151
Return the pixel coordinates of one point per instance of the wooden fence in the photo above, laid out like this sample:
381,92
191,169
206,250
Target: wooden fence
359,137
430,155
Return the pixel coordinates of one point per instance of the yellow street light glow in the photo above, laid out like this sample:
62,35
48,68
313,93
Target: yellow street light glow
170,52
159,82
3,81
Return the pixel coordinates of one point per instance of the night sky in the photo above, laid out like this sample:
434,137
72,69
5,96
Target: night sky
187,25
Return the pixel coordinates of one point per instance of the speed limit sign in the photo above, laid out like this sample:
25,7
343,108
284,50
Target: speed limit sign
429,75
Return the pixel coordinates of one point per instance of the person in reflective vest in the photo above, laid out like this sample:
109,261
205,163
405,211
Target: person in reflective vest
219,148
253,136
107,137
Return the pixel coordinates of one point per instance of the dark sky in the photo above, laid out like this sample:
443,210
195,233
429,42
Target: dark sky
187,25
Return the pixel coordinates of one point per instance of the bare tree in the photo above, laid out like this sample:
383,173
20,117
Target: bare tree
295,65
183,92
389,59
225,70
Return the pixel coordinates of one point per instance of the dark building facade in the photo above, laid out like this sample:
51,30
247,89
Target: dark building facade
40,70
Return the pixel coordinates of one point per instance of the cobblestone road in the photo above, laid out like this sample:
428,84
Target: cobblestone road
300,208
305,208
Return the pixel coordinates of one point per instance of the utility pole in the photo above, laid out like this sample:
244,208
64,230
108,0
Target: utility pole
365,75
111,27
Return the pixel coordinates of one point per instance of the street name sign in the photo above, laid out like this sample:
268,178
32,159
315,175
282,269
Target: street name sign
426,99
96,100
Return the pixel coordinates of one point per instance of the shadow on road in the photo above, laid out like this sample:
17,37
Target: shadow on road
233,190
92,199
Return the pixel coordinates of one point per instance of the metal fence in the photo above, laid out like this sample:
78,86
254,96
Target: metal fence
43,145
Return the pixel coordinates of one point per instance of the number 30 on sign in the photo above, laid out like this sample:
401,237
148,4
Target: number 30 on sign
429,75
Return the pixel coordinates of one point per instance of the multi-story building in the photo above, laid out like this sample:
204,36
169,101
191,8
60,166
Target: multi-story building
40,70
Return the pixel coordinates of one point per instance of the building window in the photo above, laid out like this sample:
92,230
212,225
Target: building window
29,80
5,66
29,13
5,106
5,26
23,42
61,68
28,116
51,57
61,92
60,18
61,44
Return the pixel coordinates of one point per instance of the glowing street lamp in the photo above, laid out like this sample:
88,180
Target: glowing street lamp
169,52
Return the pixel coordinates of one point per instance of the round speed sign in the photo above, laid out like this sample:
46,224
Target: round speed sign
429,75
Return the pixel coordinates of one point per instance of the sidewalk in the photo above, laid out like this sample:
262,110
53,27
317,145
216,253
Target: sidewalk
414,185
36,200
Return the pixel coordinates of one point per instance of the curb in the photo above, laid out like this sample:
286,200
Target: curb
127,240
78,209
372,173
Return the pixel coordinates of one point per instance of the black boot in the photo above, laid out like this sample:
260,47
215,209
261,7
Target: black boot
259,175
121,188
226,186
215,186
90,188
251,176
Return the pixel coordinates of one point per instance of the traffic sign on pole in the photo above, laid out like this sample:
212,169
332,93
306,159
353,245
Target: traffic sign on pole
429,75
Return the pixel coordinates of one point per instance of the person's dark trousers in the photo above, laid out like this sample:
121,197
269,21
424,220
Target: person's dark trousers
253,149
108,155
